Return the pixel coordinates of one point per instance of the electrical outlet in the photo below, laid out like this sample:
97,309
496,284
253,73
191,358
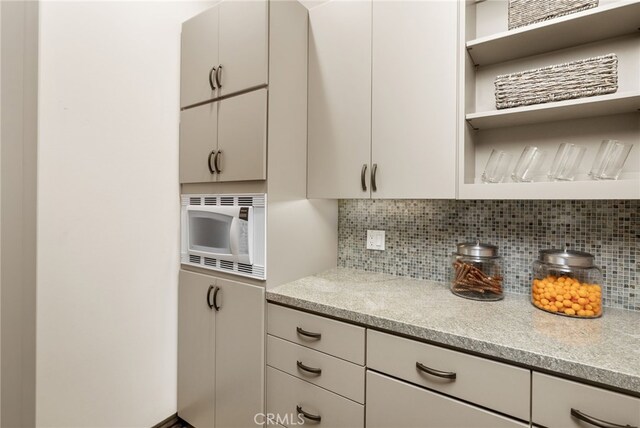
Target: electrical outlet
375,240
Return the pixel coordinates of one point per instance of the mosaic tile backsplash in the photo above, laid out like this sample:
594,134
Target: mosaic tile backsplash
422,234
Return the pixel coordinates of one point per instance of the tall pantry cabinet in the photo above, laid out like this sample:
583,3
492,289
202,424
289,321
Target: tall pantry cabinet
382,103
243,129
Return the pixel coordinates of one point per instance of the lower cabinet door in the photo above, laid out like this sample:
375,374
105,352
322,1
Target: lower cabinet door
196,358
240,353
392,403
563,403
292,402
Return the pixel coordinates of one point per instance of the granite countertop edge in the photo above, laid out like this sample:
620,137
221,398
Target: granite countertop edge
546,363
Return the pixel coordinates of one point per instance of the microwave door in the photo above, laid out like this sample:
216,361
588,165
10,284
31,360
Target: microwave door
209,233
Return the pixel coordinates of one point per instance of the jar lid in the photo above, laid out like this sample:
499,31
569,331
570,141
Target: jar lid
566,258
476,249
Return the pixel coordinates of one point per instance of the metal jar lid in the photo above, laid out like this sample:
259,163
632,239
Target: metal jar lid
476,249
569,258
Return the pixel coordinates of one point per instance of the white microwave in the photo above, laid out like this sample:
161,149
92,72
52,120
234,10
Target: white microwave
225,233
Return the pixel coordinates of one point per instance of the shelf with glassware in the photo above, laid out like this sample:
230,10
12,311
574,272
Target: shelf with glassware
583,122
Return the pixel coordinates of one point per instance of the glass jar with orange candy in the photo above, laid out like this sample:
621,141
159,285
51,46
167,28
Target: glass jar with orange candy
567,282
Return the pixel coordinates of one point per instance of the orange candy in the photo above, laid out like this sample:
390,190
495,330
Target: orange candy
567,295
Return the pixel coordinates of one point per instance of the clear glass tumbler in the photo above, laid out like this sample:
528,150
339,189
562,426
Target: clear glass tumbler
528,165
567,161
610,159
497,167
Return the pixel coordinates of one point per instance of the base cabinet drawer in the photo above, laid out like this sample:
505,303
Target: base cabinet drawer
336,375
288,397
487,383
332,337
392,403
554,399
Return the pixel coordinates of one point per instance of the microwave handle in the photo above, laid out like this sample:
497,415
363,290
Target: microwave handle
234,231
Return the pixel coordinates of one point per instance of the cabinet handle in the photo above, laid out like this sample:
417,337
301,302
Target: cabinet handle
309,416
374,170
596,422
211,170
305,333
308,369
216,161
209,297
219,76
211,72
434,372
363,180
215,299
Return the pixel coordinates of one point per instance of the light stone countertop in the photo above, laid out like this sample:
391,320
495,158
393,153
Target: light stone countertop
604,350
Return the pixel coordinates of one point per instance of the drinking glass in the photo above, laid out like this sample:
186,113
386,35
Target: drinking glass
497,167
566,163
530,162
610,159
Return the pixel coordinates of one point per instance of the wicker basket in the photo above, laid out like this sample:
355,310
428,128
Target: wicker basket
577,79
525,12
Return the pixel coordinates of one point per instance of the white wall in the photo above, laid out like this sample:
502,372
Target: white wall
108,212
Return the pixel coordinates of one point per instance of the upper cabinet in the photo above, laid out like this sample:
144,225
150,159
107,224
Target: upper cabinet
490,49
224,51
225,140
244,43
339,106
223,118
414,108
199,57
382,100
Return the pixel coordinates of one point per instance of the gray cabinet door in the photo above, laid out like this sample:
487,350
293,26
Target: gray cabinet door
242,137
392,403
239,354
414,104
339,133
199,54
198,143
196,358
243,44
553,400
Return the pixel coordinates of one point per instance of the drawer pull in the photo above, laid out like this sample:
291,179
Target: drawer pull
308,369
434,372
315,336
596,422
309,416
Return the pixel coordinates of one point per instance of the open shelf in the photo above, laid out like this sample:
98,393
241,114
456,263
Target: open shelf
599,23
611,27
628,188
602,105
